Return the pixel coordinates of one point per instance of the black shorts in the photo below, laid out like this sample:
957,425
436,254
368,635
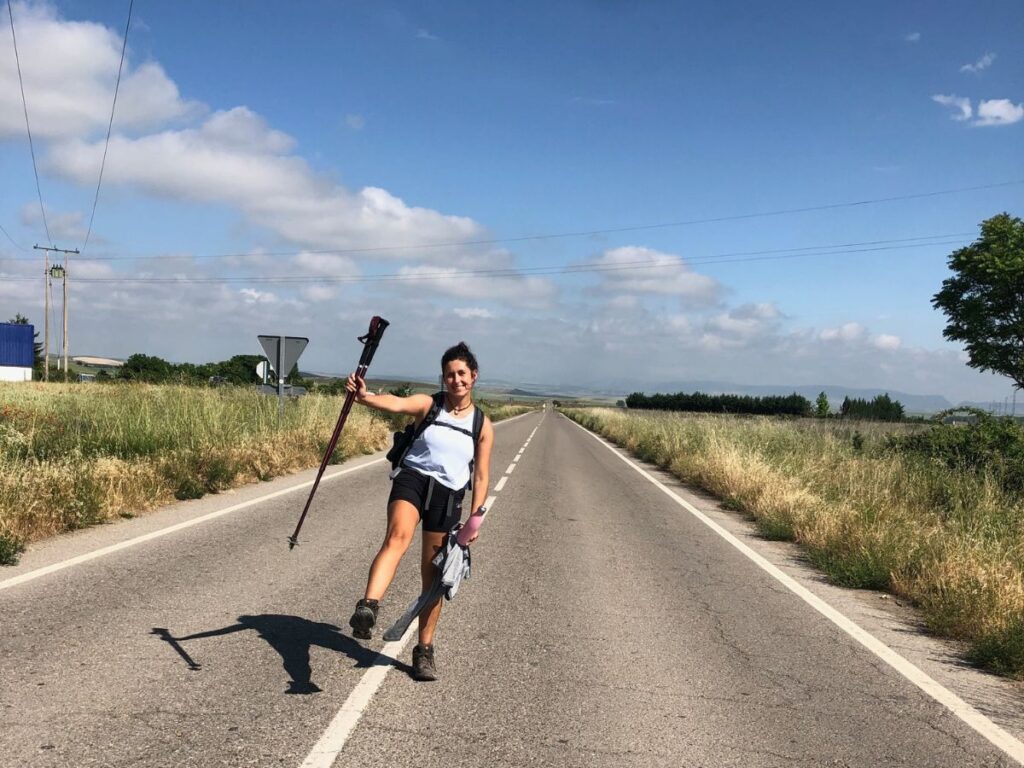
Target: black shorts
440,507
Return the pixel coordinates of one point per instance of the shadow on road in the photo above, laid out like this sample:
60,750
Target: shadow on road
292,637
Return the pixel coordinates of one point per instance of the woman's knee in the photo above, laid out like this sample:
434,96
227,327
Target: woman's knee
398,538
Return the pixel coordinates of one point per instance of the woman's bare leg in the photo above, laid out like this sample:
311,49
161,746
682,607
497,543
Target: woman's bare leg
402,520
432,542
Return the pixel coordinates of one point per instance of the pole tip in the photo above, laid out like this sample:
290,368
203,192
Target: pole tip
292,541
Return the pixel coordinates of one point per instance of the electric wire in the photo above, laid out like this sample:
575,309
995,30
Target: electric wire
16,244
163,257
506,272
28,128
110,125
559,235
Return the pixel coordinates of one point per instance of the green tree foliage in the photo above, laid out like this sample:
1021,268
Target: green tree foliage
37,346
984,299
402,390
882,408
791,405
987,444
821,406
139,367
239,370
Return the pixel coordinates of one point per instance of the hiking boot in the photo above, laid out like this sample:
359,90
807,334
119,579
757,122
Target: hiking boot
363,618
423,663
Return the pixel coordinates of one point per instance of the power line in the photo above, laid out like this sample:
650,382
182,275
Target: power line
15,244
28,128
559,235
558,269
110,125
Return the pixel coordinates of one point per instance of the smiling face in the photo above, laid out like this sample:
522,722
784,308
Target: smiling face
458,378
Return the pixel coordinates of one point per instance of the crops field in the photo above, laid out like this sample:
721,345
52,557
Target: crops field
74,455
949,540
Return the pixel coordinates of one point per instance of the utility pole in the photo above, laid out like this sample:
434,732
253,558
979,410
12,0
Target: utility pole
62,273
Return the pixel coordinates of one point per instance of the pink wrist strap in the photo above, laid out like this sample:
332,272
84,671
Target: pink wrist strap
471,526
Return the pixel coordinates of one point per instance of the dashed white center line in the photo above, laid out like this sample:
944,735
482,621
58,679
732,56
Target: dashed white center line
511,468
325,752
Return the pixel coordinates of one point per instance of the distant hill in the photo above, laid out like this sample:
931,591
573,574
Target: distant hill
617,389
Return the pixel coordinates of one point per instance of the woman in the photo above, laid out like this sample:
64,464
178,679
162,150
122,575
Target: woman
429,485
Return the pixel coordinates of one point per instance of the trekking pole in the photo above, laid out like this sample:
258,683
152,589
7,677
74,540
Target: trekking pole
370,342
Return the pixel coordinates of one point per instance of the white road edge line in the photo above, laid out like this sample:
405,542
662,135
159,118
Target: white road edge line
501,484
968,714
53,568
325,752
30,575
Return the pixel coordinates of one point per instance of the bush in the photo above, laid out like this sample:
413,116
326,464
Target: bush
988,445
10,548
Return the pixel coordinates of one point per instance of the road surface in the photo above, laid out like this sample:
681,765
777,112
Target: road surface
604,625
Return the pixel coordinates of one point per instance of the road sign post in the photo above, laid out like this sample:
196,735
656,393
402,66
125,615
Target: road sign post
282,353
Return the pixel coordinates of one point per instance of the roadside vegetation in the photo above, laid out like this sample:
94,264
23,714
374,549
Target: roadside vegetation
932,513
73,455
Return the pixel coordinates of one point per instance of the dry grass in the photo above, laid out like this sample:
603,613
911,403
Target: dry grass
73,455
952,542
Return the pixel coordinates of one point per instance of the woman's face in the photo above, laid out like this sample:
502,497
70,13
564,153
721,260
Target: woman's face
458,379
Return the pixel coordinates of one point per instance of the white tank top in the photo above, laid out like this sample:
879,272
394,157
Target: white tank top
444,453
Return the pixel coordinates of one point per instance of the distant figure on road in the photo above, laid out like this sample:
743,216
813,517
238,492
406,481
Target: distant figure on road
428,484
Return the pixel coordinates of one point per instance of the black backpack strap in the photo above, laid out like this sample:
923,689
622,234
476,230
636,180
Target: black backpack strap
478,424
433,413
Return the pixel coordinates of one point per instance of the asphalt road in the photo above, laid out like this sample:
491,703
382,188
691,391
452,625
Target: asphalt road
603,626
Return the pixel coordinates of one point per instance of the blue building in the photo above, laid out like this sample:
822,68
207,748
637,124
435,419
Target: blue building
17,352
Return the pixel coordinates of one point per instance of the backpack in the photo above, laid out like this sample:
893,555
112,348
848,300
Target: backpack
402,441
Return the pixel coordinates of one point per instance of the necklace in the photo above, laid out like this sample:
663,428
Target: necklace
458,409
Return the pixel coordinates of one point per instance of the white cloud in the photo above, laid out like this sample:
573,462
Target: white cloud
317,293
63,226
235,158
424,34
845,333
981,64
998,112
232,157
514,290
469,313
69,70
912,37
960,103
990,111
887,342
327,264
355,122
740,327
635,269
254,296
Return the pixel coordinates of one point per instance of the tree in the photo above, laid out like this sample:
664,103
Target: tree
984,299
141,367
37,346
821,406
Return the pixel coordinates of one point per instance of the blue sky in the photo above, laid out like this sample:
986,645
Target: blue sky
278,132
